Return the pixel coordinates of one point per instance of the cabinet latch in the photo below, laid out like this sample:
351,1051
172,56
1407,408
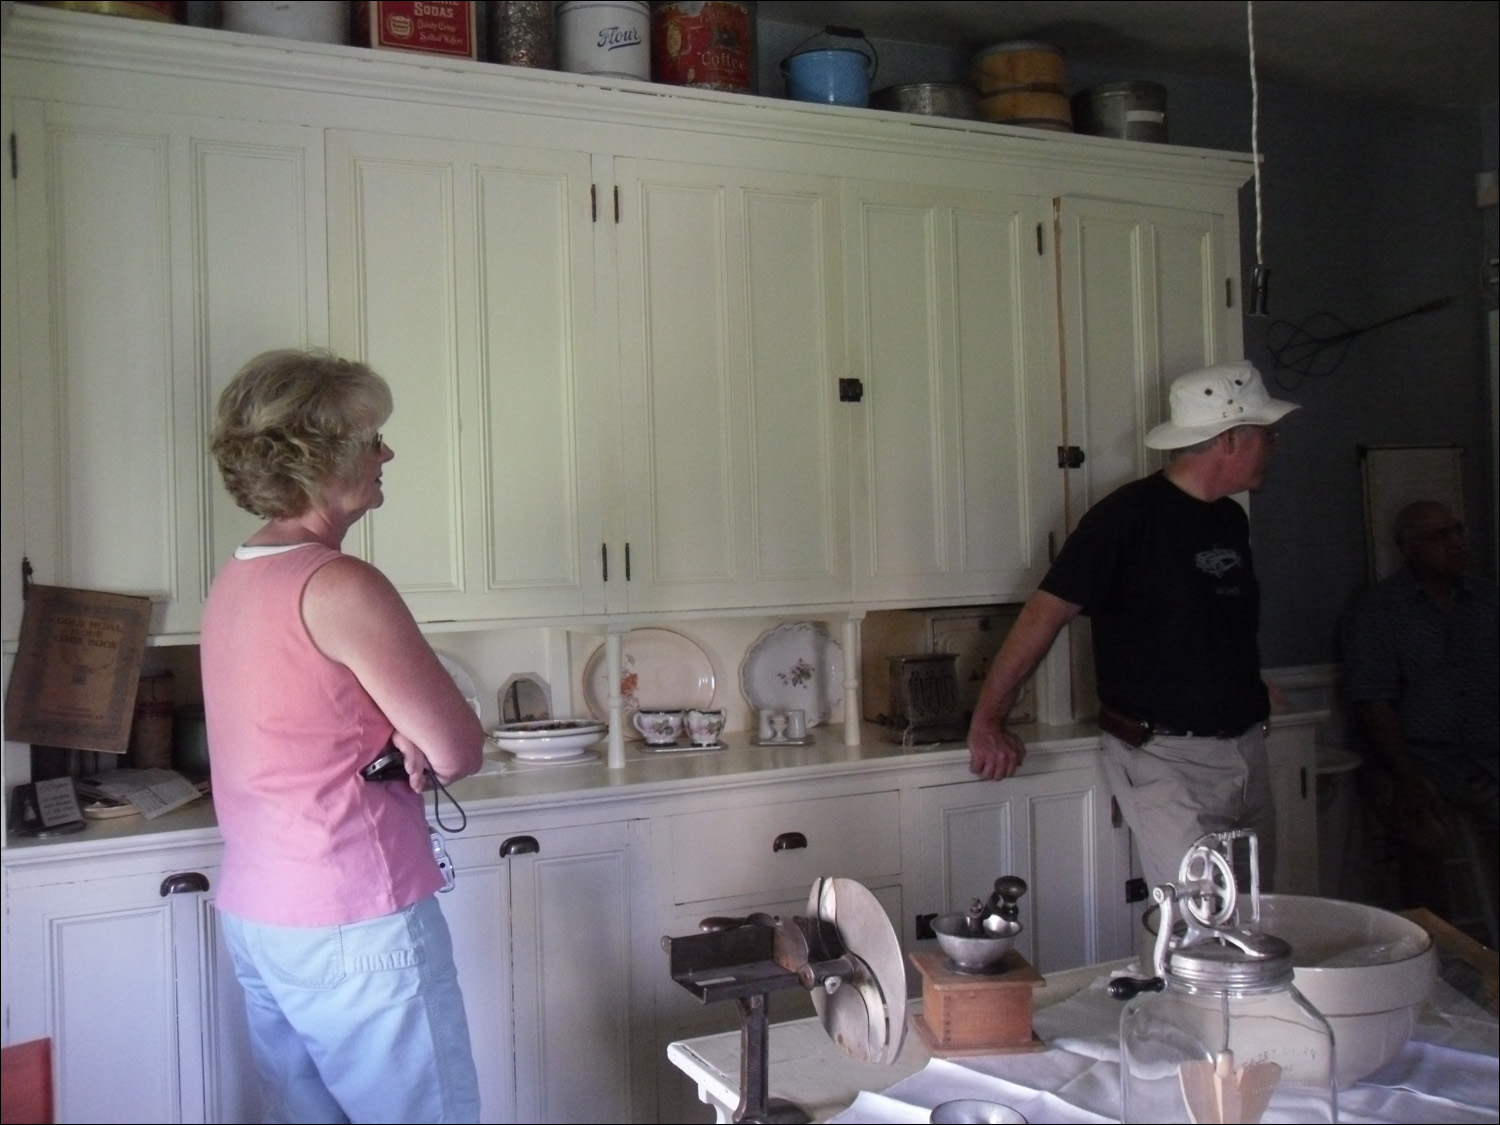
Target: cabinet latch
851,390
1069,457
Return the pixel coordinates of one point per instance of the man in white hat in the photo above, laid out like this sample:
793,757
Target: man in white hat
1162,567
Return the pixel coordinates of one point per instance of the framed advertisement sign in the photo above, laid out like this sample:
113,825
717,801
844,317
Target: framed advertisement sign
77,668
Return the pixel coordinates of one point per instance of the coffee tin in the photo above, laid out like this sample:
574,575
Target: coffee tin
709,44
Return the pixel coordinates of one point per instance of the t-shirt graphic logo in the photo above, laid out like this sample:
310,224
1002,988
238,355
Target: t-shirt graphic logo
1217,561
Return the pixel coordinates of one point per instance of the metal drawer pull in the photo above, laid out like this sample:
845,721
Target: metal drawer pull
788,841
519,845
185,883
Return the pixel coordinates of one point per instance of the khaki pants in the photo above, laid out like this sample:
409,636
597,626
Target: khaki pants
1173,790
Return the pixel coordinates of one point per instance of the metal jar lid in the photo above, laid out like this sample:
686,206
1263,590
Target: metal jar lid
1220,966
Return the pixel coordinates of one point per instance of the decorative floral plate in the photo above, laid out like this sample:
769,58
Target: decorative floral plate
659,670
795,667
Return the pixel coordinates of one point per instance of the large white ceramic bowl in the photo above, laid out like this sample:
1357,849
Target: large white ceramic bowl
546,740
1367,970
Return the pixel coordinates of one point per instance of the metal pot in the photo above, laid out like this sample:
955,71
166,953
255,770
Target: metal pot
934,99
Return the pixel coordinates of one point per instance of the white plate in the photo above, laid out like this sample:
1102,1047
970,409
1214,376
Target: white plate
462,680
799,667
659,669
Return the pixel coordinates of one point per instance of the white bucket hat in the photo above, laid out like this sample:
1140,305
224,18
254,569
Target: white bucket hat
1207,402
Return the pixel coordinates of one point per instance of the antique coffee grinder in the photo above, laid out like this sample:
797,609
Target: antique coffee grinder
977,992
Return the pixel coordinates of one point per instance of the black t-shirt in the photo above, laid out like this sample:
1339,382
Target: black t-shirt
1168,582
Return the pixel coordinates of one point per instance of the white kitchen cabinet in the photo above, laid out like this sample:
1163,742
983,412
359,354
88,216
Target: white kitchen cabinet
955,484
1292,750
552,936
117,962
584,954
464,273
734,485
1055,831
157,252
618,322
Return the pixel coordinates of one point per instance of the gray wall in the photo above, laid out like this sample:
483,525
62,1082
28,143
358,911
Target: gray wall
1368,212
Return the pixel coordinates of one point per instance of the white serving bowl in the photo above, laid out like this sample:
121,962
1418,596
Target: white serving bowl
1368,972
544,740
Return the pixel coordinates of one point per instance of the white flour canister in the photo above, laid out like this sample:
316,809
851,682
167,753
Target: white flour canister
608,38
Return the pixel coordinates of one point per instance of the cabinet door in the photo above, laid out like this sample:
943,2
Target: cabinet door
1144,300
156,254
730,328
464,275
109,969
1055,831
584,962
953,462
1293,752
477,911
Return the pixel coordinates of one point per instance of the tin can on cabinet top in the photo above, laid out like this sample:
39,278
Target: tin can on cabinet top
709,44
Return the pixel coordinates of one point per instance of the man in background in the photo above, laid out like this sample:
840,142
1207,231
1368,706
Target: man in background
1162,566
1420,669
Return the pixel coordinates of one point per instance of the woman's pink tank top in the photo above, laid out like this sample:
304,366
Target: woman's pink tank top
307,841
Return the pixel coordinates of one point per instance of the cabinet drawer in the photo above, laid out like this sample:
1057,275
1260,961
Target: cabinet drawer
726,853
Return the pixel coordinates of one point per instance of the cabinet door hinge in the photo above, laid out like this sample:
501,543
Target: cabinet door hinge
1135,890
1229,292
594,202
1069,457
15,158
1051,547
617,205
604,560
627,562
1040,249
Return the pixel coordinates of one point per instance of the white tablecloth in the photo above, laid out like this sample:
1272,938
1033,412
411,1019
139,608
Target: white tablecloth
1077,1078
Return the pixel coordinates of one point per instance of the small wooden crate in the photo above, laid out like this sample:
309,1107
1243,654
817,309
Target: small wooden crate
965,1014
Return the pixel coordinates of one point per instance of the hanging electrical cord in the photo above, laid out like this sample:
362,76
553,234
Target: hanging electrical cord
1258,305
1317,346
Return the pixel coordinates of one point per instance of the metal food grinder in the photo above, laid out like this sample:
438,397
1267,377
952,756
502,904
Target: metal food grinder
977,992
1219,1034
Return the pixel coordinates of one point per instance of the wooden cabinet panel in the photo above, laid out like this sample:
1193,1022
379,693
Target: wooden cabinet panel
953,483
763,849
464,274
166,250
729,326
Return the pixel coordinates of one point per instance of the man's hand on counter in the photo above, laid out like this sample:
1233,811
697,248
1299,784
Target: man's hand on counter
994,752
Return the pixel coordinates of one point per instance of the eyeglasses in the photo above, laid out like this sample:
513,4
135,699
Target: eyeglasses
377,443
1453,532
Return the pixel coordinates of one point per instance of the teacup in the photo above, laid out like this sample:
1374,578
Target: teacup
658,728
704,727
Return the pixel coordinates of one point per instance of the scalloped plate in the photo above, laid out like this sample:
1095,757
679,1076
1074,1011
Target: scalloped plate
798,666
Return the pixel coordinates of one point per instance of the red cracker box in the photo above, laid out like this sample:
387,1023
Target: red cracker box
418,25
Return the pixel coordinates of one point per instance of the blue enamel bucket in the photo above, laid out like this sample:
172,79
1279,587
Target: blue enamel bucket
831,75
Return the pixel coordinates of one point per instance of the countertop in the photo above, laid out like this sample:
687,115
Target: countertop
505,784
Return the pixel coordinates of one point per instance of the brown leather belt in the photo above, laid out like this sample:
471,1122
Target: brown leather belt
1137,732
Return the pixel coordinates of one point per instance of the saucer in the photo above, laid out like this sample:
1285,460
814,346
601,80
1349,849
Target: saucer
681,748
